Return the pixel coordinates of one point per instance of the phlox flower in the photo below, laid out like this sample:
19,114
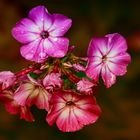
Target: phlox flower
107,56
52,80
41,33
7,79
71,111
85,86
32,93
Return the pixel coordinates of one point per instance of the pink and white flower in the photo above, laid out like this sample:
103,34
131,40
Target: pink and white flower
7,79
52,80
71,111
30,93
41,33
85,86
108,56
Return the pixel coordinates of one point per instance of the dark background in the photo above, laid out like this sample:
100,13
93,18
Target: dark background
120,119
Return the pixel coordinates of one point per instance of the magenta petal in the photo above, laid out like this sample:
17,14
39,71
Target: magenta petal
85,86
22,94
118,64
108,77
93,68
122,59
117,43
60,25
25,31
98,47
7,79
26,114
34,51
56,47
12,107
54,113
87,105
52,80
57,104
86,117
38,98
68,122
41,17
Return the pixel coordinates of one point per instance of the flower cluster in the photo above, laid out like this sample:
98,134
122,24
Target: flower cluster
58,81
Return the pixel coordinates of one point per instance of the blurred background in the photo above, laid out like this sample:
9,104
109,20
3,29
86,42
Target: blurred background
120,119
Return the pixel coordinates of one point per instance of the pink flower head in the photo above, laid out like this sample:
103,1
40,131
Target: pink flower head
14,108
108,56
7,79
52,80
85,86
30,93
41,33
71,111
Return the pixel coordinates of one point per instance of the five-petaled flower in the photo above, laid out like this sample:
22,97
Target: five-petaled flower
108,56
71,111
41,33
32,93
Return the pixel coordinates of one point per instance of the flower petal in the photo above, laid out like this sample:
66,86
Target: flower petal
34,51
60,25
22,93
26,114
98,47
93,68
85,86
86,117
108,77
26,31
55,111
42,99
56,47
68,122
41,17
118,64
12,107
87,110
117,44
7,79
52,80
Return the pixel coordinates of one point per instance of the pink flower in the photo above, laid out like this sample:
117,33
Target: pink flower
7,79
71,111
108,56
41,33
52,80
14,108
30,93
85,86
